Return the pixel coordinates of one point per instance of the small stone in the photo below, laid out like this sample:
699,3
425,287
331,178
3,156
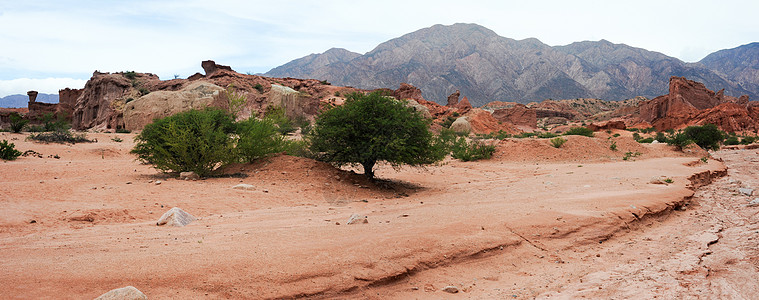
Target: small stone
266,191
451,289
149,181
32,221
158,182
244,186
754,202
188,176
357,219
745,191
129,182
125,293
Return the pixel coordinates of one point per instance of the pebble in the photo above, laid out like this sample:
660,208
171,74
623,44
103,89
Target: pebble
451,289
745,191
158,182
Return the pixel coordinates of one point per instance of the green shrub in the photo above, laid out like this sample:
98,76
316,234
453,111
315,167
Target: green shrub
648,130
557,142
707,137
630,154
647,140
525,135
195,140
131,75
660,137
259,87
584,131
371,128
470,151
680,140
613,146
732,140
446,123
236,100
143,91
279,118
547,135
748,140
59,136
636,137
258,139
8,151
17,122
122,130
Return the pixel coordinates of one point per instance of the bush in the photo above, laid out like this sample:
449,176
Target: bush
557,142
259,87
8,151
647,140
707,137
547,135
236,100
584,131
732,140
17,122
195,140
447,122
613,146
748,140
123,130
279,118
258,139
50,123
680,140
59,136
470,151
371,128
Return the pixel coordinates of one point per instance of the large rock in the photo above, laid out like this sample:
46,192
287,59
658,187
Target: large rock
125,293
175,217
519,115
453,99
102,101
691,103
143,111
407,91
463,106
420,108
607,125
210,67
295,103
461,125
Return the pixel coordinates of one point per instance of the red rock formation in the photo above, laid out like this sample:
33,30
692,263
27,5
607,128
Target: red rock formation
98,105
463,106
66,101
607,125
691,103
484,122
210,67
453,99
407,91
519,115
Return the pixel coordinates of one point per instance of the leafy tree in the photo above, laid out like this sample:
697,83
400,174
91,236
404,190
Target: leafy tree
17,122
707,137
371,128
195,140
257,139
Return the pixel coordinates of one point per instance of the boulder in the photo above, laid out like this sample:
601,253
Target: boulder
295,103
407,91
453,99
188,176
357,219
102,101
461,125
420,108
160,104
175,217
125,293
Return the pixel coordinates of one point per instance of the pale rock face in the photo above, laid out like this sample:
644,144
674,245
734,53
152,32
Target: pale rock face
461,125
125,293
160,104
420,108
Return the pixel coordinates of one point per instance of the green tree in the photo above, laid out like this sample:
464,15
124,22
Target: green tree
372,128
17,122
195,140
258,139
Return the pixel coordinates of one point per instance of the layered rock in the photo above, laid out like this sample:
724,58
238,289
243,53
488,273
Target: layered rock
691,103
453,99
66,101
519,115
104,96
407,91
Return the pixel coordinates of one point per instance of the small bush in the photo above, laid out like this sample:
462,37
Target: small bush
59,136
748,140
17,122
733,140
525,135
123,130
584,131
630,154
131,75
648,130
680,140
547,135
707,137
647,140
279,118
557,142
258,139
636,137
143,91
447,122
8,151
660,137
195,140
613,146
117,139
470,151
616,135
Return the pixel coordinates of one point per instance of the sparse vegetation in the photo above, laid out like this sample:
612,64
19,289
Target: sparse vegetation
8,151
457,144
557,142
707,137
259,87
131,75
59,136
236,100
629,154
17,122
117,139
584,131
668,180
143,91
547,135
613,146
277,115
372,128
122,130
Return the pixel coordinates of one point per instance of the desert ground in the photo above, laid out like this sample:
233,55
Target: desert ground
532,222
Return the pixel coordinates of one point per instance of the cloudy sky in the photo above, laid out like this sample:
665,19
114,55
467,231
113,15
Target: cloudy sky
51,44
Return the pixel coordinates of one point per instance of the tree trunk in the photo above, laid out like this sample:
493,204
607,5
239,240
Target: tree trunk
368,169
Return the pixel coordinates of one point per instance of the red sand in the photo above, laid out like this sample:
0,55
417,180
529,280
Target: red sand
483,226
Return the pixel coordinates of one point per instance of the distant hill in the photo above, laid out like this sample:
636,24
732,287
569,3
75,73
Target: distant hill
15,101
740,64
486,67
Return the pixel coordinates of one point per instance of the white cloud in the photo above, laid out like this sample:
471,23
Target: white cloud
47,85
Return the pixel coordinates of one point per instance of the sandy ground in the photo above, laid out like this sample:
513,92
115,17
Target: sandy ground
575,223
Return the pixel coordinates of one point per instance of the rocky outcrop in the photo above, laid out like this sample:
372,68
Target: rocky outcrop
104,96
461,125
691,103
66,101
210,67
453,99
423,110
32,96
519,115
160,104
38,109
484,122
407,91
463,106
607,125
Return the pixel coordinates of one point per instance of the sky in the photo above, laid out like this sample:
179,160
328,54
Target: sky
48,45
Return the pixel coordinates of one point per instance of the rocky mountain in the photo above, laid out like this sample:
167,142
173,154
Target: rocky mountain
18,100
740,64
486,67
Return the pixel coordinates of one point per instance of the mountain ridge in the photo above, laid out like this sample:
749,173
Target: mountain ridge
487,67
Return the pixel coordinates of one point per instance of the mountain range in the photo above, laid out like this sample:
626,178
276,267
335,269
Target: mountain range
487,67
18,100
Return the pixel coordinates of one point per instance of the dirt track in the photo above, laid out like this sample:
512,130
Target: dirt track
497,228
